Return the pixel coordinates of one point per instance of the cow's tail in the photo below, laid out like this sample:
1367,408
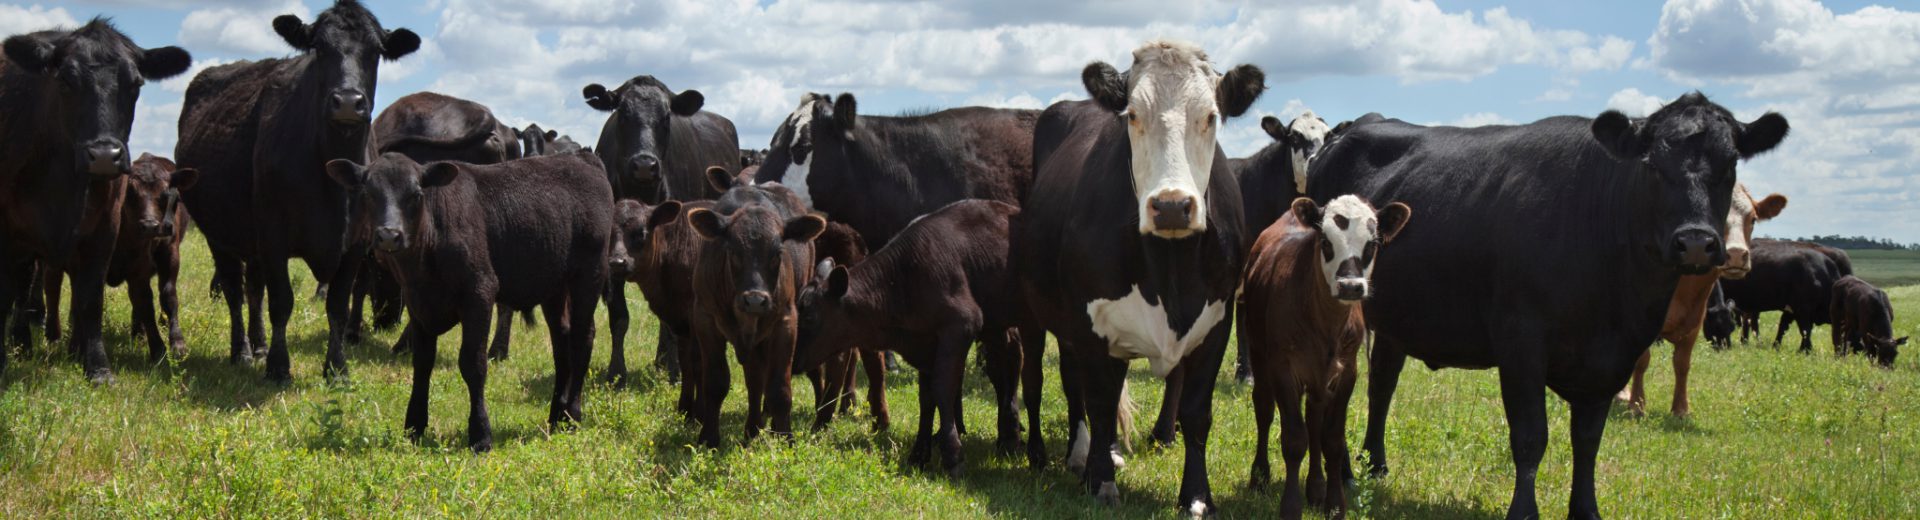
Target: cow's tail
1125,417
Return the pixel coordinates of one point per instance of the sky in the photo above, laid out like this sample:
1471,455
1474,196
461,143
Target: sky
1846,74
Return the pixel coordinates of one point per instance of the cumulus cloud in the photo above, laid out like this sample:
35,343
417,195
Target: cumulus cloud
1410,40
1476,119
16,19
1633,103
245,29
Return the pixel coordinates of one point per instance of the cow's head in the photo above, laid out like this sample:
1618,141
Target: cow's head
534,141
634,240
153,196
1303,139
823,321
1740,220
811,140
346,43
91,78
1721,319
1351,234
1691,147
751,246
389,197
644,109
1173,102
1884,349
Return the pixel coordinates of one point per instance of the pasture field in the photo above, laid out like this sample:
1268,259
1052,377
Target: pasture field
1775,434
1885,267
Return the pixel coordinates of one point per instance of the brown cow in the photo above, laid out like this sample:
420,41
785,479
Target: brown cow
833,380
1303,328
1687,311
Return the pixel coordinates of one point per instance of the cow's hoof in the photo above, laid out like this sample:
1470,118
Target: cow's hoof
482,445
1200,508
1108,495
100,376
616,377
279,378
1119,463
498,354
1682,412
1009,446
1260,479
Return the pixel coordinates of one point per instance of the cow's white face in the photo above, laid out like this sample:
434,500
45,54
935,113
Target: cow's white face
1172,101
1741,217
1310,133
1351,234
797,134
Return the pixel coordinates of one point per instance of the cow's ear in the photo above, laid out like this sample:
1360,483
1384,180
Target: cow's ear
439,174
1239,89
1619,136
1339,128
164,62
719,178
1762,135
820,270
688,102
1900,342
400,43
804,228
837,283
1771,206
1271,125
183,179
599,98
553,134
1105,85
1393,218
347,173
707,224
663,214
297,34
846,113
30,52
1307,212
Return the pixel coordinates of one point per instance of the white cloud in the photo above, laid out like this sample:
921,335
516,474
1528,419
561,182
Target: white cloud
1633,103
244,30
16,20
1413,40
1476,119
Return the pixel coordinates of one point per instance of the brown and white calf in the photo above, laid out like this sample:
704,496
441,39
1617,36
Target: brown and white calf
1303,327
1687,311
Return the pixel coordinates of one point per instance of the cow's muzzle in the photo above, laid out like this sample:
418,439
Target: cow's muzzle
757,303
1697,250
389,239
350,106
1173,214
106,158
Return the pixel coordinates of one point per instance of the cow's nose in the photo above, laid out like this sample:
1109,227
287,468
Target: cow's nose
106,158
350,106
620,265
150,225
1350,289
1738,262
756,302
389,238
646,164
1698,250
1171,212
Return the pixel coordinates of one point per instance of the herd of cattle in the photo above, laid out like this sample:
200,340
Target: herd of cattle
1556,252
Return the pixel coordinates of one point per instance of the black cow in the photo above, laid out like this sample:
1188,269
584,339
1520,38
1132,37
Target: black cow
66,111
458,234
535,142
879,173
657,144
1863,321
1131,243
260,132
1722,317
429,126
1795,278
1549,251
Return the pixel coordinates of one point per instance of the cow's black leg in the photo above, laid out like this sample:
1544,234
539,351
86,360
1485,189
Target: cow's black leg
1032,381
948,367
1805,325
1589,422
778,366
1003,370
1202,368
1078,442
50,280
922,450
255,281
280,310
1523,392
715,384
1103,377
341,273
667,352
617,319
753,371
1383,378
691,370
876,370
473,370
12,271
502,334
140,294
1163,427
1242,372
230,279
555,313
424,350
357,306
1780,329
89,278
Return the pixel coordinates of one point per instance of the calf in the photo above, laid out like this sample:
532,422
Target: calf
1722,318
152,225
835,378
458,235
1863,321
663,251
1302,325
943,283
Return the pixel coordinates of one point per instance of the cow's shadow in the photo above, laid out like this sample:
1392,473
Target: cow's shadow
1386,504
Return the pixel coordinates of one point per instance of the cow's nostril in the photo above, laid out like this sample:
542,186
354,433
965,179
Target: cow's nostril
1171,212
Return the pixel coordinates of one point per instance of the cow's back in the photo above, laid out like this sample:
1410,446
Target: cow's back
218,122
700,141
547,218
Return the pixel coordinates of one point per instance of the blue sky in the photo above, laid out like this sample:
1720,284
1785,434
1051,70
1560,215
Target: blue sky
1846,73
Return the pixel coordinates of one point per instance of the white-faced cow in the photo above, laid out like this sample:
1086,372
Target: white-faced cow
658,144
1132,241
261,133
1548,251
66,112
1270,180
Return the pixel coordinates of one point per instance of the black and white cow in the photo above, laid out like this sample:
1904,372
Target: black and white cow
1133,241
1549,251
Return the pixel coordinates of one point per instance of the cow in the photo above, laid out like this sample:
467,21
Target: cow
1548,250
1131,242
662,251
535,141
657,144
457,236
1863,321
879,173
1687,311
944,283
1722,319
1793,277
1271,179
1301,324
834,380
752,157
66,112
260,133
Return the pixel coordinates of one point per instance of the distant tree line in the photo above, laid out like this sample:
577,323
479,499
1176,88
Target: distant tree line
1857,242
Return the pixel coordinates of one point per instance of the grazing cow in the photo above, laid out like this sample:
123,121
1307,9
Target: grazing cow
66,111
1269,181
1722,317
1687,311
261,133
834,379
1863,321
1548,250
756,253
879,173
1131,242
657,144
457,235
1305,278
942,284
1793,277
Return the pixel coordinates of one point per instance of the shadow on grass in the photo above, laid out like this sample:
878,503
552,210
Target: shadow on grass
1387,504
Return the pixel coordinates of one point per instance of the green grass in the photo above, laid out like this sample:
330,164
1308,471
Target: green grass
1775,435
1886,268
